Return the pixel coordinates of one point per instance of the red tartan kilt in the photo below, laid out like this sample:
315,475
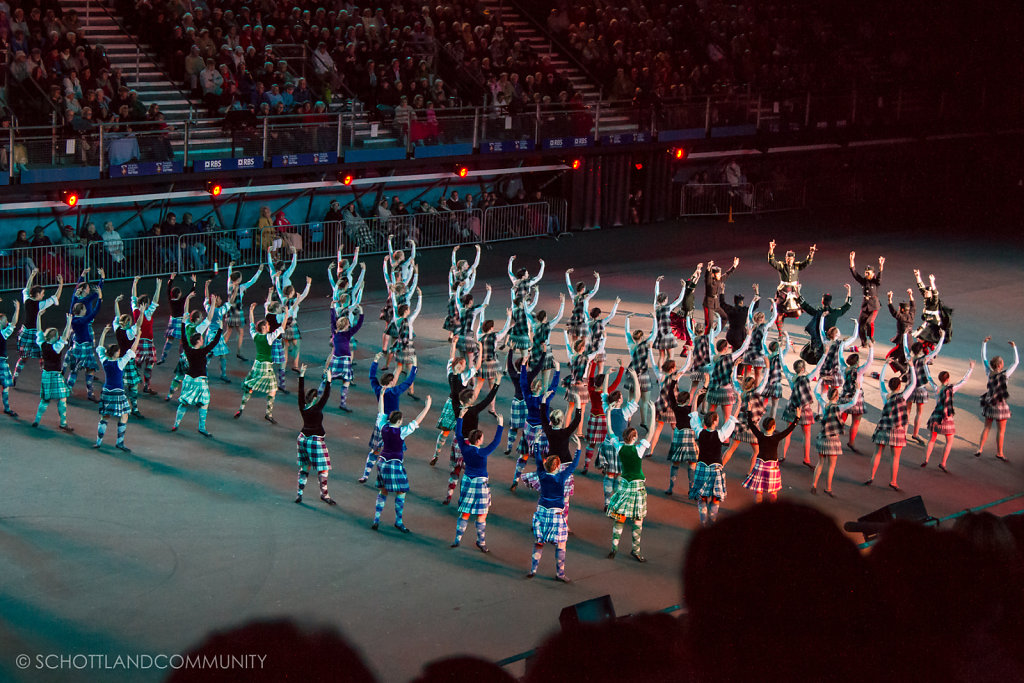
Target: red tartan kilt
597,428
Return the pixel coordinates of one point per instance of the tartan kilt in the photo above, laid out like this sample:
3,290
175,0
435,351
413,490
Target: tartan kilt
82,356
743,433
467,346
858,407
27,346
645,381
312,453
664,413
130,375
340,367
233,318
996,411
597,428
722,396
919,395
629,499
446,422
173,329
806,414
451,323
895,437
146,351
114,403
576,393
391,476
261,378
764,478
195,391
940,424
663,342
406,355
754,358
519,342
708,482
6,378
533,437
517,420
277,352
376,441
697,376
578,329
489,369
221,349
684,446
455,457
292,333
828,445
609,454
773,390
52,386
549,526
474,495
181,367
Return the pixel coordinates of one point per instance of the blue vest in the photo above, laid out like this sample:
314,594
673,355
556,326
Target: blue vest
393,445
113,376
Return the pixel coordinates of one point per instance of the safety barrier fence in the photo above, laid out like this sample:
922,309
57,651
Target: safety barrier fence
717,199
243,139
158,255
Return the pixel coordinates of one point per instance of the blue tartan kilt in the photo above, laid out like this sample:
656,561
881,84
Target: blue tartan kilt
765,477
446,422
173,329
6,378
609,455
754,358
708,482
341,368
683,447
629,499
533,437
27,346
549,525
221,349
576,393
292,333
312,453
474,495
742,432
195,391
773,390
806,414
82,356
517,420
261,378
376,441
146,351
181,367
277,352
920,394
130,375
391,476
664,341
52,386
114,403
519,342
406,355
578,328
233,318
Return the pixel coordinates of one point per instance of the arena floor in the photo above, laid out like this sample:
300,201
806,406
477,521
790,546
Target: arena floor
108,552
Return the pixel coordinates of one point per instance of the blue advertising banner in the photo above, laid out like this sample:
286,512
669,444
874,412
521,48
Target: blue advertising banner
146,168
625,138
234,164
60,175
308,159
506,146
567,143
456,150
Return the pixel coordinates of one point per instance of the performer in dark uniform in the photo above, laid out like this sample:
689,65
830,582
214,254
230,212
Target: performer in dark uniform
905,317
869,282
788,292
813,352
714,289
935,316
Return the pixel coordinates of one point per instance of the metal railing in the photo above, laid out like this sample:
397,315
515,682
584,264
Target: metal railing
157,255
718,199
491,129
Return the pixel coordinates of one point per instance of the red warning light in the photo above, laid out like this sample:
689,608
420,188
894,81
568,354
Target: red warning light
214,188
69,197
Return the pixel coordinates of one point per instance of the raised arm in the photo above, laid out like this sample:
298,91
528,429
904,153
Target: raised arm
867,364
615,309
539,275
851,341
970,369
679,299
911,385
511,273
508,324
938,347
561,310
568,283
1016,361
419,306
738,353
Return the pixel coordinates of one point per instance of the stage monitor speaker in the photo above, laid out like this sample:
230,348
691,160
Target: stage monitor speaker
909,510
587,612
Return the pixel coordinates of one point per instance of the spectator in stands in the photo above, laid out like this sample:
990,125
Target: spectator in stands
212,83
170,225
18,155
23,252
193,245
73,247
333,222
357,229
114,246
268,236
194,65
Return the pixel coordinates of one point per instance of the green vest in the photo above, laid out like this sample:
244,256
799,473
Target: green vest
631,466
263,353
